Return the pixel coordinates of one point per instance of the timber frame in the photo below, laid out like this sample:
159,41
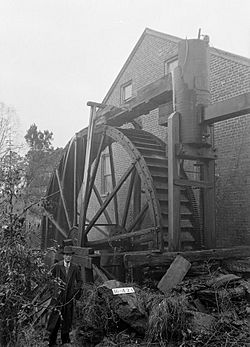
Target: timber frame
160,95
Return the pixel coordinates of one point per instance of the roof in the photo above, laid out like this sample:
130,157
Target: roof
158,34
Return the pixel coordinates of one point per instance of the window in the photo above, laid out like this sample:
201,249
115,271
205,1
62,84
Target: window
126,92
170,65
106,177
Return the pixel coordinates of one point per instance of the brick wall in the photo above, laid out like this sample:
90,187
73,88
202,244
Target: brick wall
230,76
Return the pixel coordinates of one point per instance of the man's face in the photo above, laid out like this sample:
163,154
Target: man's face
67,257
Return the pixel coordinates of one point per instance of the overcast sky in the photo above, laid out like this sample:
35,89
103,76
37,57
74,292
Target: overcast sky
56,55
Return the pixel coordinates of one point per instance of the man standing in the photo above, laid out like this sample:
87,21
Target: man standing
70,274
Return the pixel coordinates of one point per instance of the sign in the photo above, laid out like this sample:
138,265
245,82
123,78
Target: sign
126,290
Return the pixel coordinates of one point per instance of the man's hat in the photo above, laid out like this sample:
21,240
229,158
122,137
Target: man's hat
68,250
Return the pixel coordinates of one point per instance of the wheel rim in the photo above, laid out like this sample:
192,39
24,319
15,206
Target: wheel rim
146,169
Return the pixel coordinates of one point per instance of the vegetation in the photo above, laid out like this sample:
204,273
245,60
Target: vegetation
23,273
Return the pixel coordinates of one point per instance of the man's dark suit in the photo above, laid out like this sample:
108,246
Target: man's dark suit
65,301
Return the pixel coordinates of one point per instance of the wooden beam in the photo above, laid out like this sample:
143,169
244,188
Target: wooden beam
63,200
191,183
138,219
62,232
208,173
128,199
173,190
148,98
75,182
86,176
99,229
100,201
174,275
112,167
121,237
94,171
231,108
164,259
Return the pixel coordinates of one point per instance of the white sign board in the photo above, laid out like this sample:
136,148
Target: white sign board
125,290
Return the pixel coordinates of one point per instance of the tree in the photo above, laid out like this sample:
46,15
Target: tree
22,272
12,172
41,160
8,129
39,140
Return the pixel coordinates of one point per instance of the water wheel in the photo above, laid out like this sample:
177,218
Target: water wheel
129,209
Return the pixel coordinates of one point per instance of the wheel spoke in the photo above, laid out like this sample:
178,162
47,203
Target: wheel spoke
94,171
113,183
105,212
128,199
63,200
99,229
62,232
75,182
109,198
139,218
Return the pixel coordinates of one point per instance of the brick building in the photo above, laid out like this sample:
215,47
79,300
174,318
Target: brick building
154,56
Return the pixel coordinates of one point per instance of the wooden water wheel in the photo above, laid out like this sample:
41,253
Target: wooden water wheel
129,213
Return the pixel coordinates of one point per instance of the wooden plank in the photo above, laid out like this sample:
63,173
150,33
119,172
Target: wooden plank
85,257
94,170
139,218
174,275
208,170
136,199
75,182
227,109
164,259
81,256
128,199
173,190
102,277
148,98
190,152
122,237
191,183
100,201
63,200
112,167
62,232
86,177
165,111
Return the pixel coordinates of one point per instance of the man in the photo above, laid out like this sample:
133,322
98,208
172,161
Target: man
70,274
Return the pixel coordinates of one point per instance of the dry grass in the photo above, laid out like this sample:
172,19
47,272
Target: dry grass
167,319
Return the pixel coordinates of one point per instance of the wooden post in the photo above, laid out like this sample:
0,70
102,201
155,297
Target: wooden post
85,258
173,190
209,205
75,182
86,176
87,169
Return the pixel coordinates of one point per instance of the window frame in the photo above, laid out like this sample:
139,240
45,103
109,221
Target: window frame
125,99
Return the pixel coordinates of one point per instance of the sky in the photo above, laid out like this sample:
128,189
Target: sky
56,55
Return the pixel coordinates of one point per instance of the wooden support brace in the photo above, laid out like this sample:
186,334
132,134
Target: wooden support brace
173,190
234,107
85,257
209,205
151,258
174,275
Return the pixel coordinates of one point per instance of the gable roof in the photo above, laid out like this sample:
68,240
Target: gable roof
158,34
